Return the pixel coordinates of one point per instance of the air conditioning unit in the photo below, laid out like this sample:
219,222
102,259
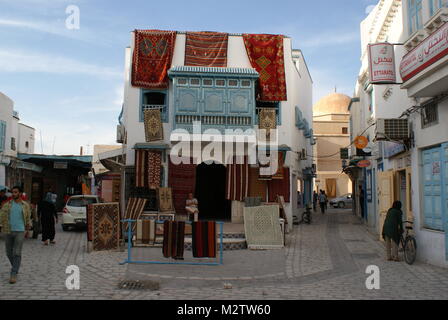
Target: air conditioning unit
120,133
391,129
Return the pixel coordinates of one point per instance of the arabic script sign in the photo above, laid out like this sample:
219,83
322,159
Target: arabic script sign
425,54
382,63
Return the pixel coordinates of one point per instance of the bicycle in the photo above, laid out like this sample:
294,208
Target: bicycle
306,216
409,244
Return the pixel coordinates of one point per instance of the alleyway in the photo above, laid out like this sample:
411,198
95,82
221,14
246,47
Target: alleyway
324,260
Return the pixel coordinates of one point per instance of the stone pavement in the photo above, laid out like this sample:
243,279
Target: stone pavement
324,260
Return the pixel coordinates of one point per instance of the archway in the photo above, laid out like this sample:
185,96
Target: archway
211,192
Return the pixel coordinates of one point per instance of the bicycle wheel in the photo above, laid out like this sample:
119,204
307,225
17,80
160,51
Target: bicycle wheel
410,250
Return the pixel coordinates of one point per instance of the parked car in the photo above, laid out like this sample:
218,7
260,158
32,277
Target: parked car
345,201
74,213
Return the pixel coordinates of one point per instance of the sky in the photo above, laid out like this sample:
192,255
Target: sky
68,83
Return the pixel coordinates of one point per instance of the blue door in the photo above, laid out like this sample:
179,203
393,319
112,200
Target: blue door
445,194
432,194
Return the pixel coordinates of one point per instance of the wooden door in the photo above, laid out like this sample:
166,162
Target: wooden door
409,209
385,196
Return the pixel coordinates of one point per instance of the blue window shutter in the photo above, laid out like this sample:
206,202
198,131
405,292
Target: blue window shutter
2,135
445,194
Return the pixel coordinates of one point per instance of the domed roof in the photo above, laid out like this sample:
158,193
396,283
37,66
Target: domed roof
332,103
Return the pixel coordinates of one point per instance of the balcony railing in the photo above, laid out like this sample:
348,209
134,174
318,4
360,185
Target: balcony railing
214,120
161,107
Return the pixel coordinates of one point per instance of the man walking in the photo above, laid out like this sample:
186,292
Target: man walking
16,219
322,201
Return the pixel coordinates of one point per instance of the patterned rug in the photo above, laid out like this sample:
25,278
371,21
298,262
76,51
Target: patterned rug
204,239
173,239
237,179
153,54
262,227
106,226
267,121
148,171
181,180
206,49
165,198
280,169
279,187
153,125
89,213
265,53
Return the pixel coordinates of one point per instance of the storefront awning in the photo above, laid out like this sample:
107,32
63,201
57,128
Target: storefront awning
17,164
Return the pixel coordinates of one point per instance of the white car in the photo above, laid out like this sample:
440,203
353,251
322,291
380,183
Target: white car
74,213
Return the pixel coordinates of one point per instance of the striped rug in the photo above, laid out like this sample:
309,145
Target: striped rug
204,239
146,231
148,169
134,210
173,239
237,180
206,49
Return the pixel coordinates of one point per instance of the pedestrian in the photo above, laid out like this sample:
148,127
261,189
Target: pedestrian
326,200
322,201
15,216
392,230
361,200
315,198
48,216
3,197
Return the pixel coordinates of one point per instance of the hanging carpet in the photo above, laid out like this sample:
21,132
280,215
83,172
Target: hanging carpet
204,239
267,120
206,49
237,179
153,54
134,210
265,53
148,169
146,231
257,187
173,239
181,180
165,198
280,187
153,125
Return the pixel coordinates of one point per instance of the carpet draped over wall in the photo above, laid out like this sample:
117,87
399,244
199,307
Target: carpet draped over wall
206,49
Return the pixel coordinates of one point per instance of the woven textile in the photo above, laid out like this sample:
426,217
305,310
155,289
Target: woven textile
148,171
153,54
134,210
257,187
267,121
146,231
265,53
204,239
165,200
106,226
279,187
252,202
237,179
153,125
280,169
206,49
181,180
262,227
173,239
89,214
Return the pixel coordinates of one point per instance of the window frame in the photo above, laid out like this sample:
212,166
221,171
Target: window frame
435,106
417,12
165,110
2,135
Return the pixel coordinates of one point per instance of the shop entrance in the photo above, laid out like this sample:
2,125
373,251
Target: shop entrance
211,192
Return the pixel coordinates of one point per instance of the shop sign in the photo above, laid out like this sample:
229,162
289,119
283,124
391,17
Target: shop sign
382,63
432,49
60,165
363,164
392,148
361,142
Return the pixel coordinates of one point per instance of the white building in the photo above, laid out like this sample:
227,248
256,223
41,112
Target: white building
195,93
15,138
412,169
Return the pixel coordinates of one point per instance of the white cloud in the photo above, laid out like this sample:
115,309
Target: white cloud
20,61
57,29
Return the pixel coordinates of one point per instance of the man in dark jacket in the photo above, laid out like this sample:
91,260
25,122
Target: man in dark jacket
392,230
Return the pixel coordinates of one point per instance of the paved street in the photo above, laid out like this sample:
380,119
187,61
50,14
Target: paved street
324,260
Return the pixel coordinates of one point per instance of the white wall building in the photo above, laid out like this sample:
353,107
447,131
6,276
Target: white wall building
295,143
412,170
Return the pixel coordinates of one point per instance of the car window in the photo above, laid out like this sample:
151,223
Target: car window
81,202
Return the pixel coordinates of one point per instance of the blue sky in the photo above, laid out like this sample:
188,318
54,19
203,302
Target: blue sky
68,84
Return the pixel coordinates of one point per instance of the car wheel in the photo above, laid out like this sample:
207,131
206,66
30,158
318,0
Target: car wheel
341,204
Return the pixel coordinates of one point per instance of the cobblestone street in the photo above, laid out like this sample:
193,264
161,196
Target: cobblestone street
324,260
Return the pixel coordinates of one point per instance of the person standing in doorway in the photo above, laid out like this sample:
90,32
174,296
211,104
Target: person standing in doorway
322,201
361,200
16,219
315,199
48,216
392,230
192,208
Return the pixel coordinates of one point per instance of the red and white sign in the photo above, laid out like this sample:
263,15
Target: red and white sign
382,63
425,54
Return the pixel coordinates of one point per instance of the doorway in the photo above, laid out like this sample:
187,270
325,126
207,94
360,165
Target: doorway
211,192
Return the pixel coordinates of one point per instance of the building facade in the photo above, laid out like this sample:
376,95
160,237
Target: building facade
331,130
410,168
220,98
